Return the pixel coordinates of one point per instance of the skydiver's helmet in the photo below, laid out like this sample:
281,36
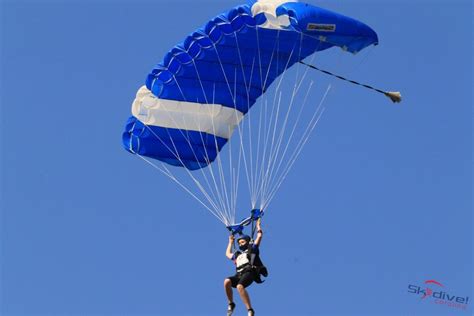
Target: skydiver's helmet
243,246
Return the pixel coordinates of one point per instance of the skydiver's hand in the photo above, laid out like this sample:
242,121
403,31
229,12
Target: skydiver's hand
231,238
259,226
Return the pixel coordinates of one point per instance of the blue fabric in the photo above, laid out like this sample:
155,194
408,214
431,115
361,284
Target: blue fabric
189,149
236,229
256,213
229,61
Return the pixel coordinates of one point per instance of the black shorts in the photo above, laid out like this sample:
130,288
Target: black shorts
245,278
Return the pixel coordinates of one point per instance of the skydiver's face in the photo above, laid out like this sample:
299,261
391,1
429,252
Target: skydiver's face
242,242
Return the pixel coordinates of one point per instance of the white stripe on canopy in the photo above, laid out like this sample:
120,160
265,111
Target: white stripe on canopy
213,119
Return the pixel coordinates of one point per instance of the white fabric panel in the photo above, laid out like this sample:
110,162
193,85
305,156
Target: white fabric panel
213,119
268,7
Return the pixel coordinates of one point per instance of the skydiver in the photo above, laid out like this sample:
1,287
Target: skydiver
249,267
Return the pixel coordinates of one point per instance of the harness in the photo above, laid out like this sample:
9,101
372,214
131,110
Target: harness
245,260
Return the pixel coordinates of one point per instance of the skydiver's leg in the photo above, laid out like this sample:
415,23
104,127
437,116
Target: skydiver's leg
228,290
244,296
246,279
228,284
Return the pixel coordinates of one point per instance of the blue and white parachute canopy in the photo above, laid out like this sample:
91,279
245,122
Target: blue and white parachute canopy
193,100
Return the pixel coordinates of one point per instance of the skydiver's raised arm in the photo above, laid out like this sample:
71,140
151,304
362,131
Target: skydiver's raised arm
258,240
228,252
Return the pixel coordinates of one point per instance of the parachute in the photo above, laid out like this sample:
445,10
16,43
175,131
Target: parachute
205,88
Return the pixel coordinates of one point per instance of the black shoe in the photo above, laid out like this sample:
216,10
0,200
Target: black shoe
230,308
251,312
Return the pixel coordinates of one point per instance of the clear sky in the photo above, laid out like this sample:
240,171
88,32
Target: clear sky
381,197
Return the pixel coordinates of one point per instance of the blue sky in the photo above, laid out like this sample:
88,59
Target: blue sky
380,198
